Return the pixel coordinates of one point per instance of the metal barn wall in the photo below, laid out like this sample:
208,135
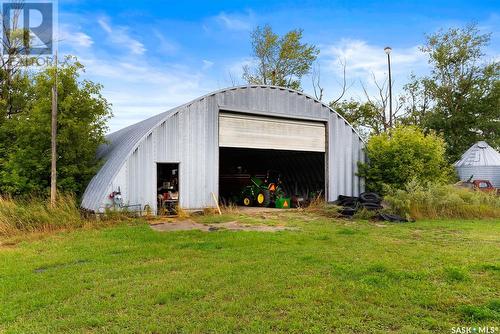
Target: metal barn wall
189,135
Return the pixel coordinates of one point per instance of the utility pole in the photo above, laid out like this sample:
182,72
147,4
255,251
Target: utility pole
388,50
53,164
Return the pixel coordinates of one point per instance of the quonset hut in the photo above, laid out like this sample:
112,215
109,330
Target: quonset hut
217,138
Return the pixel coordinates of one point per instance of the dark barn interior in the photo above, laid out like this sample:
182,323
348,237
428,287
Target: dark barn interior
301,172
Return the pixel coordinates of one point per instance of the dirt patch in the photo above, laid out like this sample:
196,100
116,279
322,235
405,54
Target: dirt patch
180,225
256,210
187,225
237,226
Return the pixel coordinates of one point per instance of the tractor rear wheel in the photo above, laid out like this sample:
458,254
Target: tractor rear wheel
263,198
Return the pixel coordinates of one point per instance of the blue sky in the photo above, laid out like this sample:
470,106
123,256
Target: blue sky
152,56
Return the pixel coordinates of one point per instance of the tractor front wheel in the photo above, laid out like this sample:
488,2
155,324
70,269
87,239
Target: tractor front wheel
247,201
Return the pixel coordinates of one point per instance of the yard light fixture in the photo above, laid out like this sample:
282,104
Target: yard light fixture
388,50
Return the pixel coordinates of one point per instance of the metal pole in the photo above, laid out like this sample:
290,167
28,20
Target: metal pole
390,90
53,166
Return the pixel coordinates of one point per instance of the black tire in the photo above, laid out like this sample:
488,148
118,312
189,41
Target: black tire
247,200
371,206
343,198
351,203
348,201
392,218
266,198
368,197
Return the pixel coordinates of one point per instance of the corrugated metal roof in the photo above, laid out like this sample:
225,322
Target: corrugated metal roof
122,144
479,154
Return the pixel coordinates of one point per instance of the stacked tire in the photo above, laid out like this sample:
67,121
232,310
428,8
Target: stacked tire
370,201
350,205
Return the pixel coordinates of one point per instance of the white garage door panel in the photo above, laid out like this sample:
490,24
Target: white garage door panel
270,133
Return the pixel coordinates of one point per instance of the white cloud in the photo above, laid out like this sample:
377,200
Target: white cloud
69,36
232,72
236,21
363,59
135,85
236,68
207,64
138,89
165,45
119,35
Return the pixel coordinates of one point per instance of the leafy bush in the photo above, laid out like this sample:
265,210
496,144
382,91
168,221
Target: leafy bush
404,154
442,201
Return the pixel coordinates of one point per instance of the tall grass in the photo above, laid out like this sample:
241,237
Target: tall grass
442,201
37,215
319,206
31,215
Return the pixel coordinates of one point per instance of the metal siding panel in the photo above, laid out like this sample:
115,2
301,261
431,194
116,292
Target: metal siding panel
331,165
212,149
341,156
335,158
354,161
348,159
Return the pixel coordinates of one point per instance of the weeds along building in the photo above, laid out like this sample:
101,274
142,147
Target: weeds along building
213,143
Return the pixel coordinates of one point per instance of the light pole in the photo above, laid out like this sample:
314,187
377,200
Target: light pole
388,50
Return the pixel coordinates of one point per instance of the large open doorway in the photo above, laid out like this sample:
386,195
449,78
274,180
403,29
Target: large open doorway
302,174
270,161
167,185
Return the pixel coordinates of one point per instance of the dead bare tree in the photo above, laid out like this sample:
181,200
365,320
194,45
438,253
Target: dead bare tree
319,90
344,88
316,82
232,79
380,102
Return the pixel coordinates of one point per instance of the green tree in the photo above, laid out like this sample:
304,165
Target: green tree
82,116
280,61
461,96
363,116
404,154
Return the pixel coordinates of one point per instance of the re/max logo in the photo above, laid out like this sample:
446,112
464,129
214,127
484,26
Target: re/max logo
28,27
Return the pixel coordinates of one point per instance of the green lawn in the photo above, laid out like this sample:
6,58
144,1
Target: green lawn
329,276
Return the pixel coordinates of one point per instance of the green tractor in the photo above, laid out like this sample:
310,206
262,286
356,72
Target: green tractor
263,193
